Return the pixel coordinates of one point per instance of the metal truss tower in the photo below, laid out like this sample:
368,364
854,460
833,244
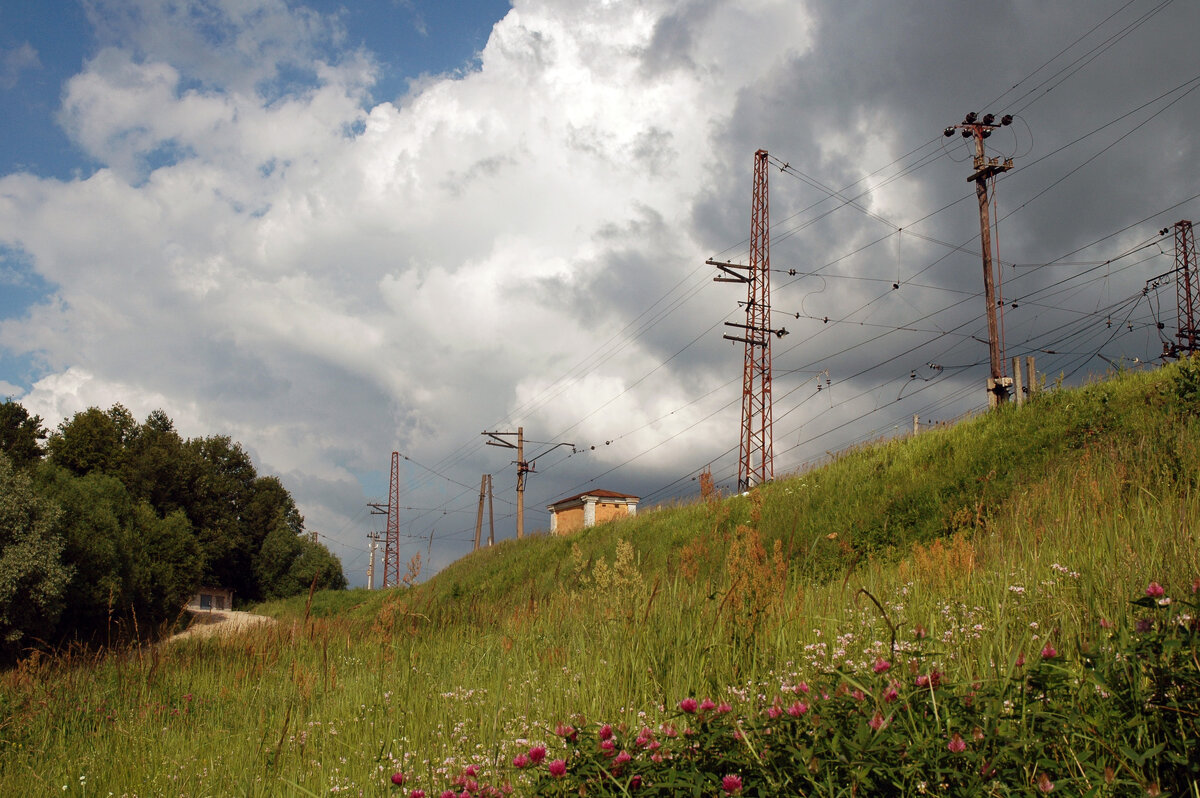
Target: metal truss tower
755,459
391,548
1187,286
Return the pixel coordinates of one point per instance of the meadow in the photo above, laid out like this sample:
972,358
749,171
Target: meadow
1003,607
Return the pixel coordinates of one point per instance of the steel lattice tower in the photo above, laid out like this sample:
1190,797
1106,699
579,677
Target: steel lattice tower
1187,286
756,460
391,549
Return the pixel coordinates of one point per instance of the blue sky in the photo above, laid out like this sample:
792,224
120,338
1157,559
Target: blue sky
337,230
409,39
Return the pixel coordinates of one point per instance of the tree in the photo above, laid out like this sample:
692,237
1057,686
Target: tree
33,579
90,441
19,434
317,561
95,527
167,564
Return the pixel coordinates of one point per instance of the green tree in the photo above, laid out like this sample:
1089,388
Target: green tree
94,526
33,578
317,561
91,440
157,466
167,564
20,434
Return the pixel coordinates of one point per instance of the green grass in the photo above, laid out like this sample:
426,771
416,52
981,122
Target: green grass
995,536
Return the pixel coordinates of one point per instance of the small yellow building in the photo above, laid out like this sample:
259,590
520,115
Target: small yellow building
588,509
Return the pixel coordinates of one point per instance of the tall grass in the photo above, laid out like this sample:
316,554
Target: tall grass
991,539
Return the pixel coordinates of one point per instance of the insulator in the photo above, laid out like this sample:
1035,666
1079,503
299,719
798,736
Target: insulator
948,132
1006,120
989,119
970,118
966,134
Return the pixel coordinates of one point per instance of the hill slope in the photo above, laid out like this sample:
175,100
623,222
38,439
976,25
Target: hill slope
964,552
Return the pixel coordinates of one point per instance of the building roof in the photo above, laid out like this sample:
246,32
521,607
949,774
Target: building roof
599,494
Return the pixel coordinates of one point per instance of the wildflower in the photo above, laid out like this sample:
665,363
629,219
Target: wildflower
606,731
566,732
858,695
470,771
724,708
608,747
520,761
558,768
881,665
877,722
622,758
537,754
1143,625
890,694
688,705
1021,660
1155,590
397,778
635,782
417,794
802,688
956,745
797,709
1105,623
1044,784
707,705
449,794
1049,652
732,785
773,712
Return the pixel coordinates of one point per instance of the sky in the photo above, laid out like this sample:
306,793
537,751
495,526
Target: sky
333,231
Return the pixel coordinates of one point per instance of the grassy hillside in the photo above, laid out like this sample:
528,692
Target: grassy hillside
961,552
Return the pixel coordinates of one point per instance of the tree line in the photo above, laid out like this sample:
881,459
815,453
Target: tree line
107,526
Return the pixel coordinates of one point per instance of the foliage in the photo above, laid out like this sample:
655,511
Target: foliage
133,519
33,580
20,434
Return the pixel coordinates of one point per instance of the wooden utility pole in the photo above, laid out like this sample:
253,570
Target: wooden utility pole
523,468
986,169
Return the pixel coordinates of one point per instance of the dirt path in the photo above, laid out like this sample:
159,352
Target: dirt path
221,623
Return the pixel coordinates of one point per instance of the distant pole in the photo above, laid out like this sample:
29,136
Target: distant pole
916,424
523,467
986,169
491,514
373,545
1018,389
479,513
1031,376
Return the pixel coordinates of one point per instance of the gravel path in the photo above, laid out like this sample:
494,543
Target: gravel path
221,623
